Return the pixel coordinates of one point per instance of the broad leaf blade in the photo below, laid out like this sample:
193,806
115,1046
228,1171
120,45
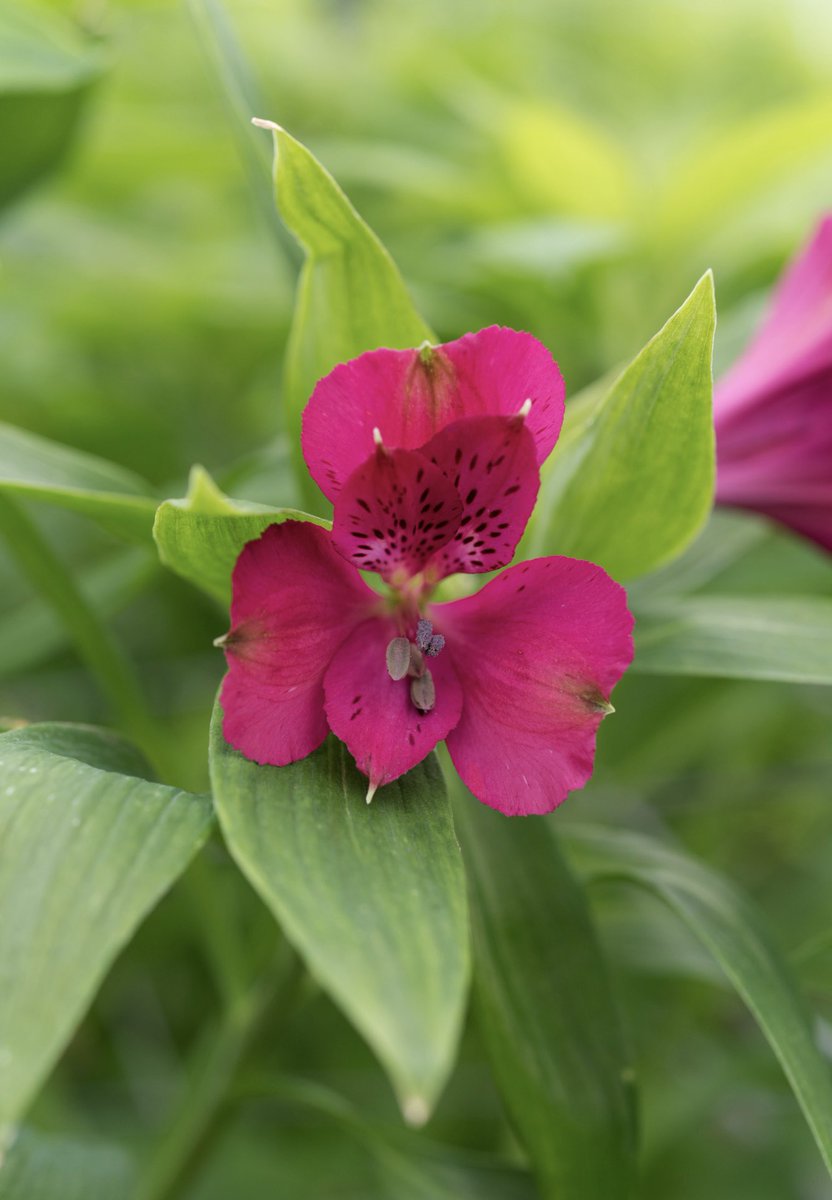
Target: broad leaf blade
545,1009
87,850
733,932
351,297
738,637
372,896
34,467
201,536
636,484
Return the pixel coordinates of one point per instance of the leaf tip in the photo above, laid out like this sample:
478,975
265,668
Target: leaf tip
265,123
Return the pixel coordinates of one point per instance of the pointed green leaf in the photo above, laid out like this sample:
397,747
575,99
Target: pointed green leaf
87,850
734,933
47,1166
372,896
737,637
34,467
351,297
633,488
545,1009
201,536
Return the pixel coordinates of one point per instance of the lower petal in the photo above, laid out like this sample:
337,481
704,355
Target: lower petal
538,652
374,715
295,599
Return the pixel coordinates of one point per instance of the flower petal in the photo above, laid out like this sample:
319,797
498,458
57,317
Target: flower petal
795,339
294,602
493,466
537,652
374,715
394,512
410,395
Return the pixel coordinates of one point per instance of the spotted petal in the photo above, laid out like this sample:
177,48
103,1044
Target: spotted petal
374,714
410,395
394,513
492,464
537,652
295,599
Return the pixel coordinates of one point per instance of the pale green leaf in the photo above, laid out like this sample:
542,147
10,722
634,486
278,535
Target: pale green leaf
737,637
545,1009
34,467
87,850
48,1166
635,483
200,537
372,896
732,930
351,297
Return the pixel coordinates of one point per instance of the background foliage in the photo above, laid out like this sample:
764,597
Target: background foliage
568,169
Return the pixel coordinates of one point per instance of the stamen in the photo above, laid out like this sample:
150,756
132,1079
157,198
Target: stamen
435,644
525,409
424,631
220,641
377,437
423,692
398,658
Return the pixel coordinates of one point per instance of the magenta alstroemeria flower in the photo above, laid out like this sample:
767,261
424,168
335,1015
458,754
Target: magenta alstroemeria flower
432,463
773,410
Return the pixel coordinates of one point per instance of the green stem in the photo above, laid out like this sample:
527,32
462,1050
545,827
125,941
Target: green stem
217,1061
92,640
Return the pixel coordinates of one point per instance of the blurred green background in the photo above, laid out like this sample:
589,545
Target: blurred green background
566,168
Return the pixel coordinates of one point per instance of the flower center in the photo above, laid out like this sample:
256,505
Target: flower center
406,659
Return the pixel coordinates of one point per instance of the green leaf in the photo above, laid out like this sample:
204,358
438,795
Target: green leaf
372,897
34,467
351,297
732,930
633,488
87,851
737,637
46,70
201,536
44,1166
545,1009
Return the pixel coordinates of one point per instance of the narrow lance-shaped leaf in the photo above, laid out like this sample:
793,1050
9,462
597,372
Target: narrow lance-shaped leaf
372,896
351,297
734,933
34,467
545,1010
787,638
87,850
201,536
636,485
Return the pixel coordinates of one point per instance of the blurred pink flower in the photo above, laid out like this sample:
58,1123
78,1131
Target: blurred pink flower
431,460
773,409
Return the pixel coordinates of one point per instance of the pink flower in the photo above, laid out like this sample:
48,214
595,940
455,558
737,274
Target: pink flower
773,410
431,458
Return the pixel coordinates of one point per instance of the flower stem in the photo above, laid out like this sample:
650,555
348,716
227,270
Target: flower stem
219,1054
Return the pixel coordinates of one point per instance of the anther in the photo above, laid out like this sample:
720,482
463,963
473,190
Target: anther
422,692
398,658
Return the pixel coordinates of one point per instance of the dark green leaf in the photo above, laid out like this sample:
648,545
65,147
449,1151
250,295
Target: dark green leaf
545,1009
46,1166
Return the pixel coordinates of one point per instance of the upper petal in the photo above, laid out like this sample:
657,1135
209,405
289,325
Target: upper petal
538,652
295,599
394,512
410,395
493,466
795,338
374,715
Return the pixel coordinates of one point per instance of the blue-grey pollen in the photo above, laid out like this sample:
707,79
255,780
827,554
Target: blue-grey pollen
429,643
